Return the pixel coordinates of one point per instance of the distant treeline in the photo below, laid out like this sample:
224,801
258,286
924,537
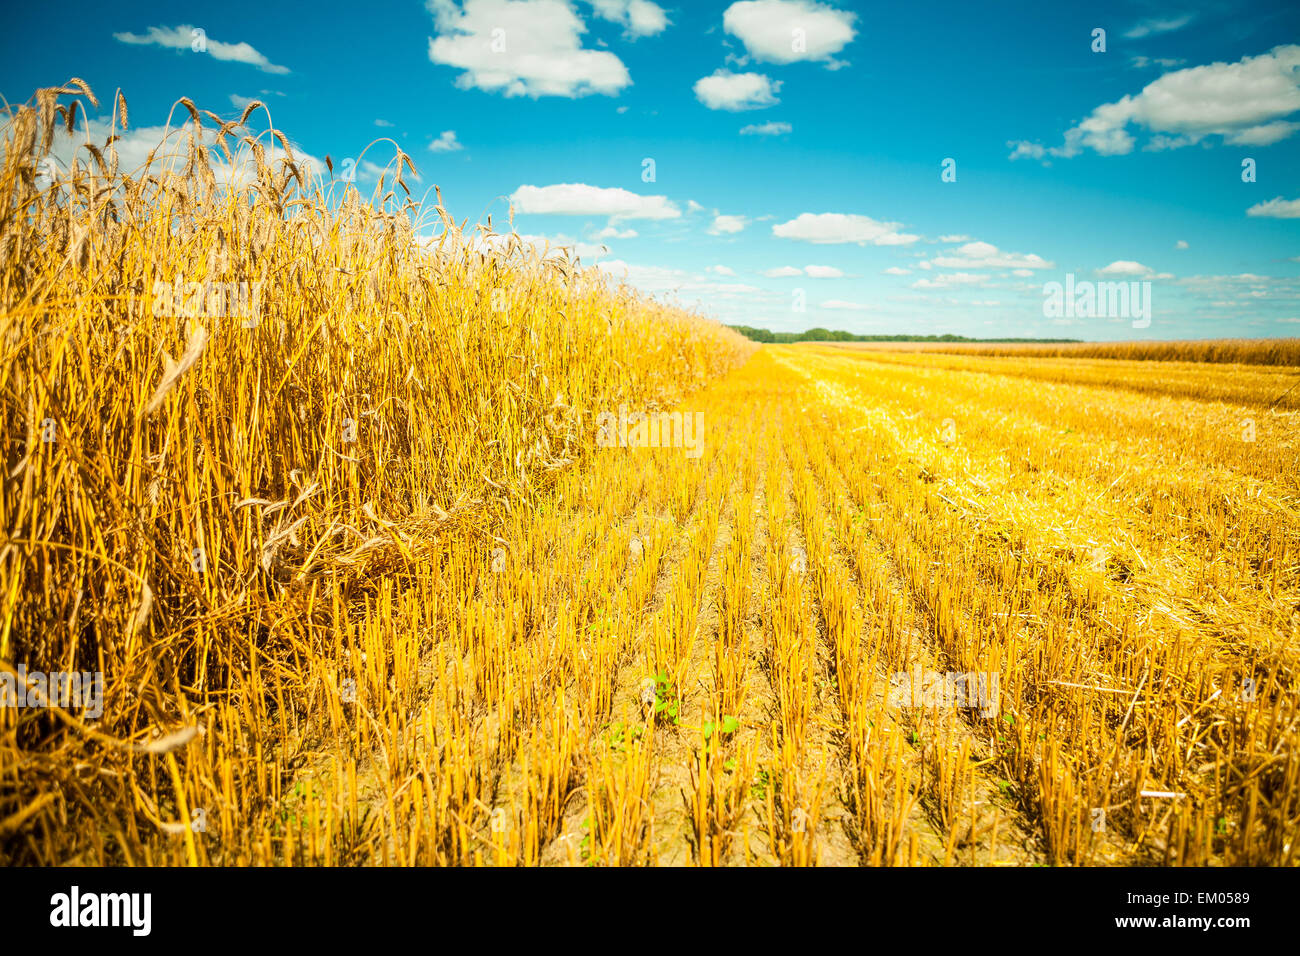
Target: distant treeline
827,335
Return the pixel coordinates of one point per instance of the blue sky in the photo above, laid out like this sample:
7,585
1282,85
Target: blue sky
797,146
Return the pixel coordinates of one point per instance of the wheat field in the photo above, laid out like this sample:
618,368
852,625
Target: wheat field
441,551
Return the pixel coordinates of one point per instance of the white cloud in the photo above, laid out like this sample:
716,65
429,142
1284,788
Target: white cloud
1027,150
985,255
841,304
521,48
133,147
720,270
446,142
834,227
368,171
1266,134
727,225
612,232
787,31
639,18
579,199
766,129
1180,244
1277,208
737,91
383,123
1167,63
783,272
1127,267
897,271
823,272
954,238
1243,103
185,37
1154,25
949,279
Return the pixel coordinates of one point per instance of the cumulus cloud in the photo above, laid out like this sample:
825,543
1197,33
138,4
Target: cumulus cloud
834,227
639,18
521,48
1243,103
727,225
1124,267
1127,267
783,272
613,232
1180,244
195,39
720,270
985,255
823,272
725,90
1277,208
787,31
897,271
766,129
446,142
579,199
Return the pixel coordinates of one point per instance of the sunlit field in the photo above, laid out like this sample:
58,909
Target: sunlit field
378,549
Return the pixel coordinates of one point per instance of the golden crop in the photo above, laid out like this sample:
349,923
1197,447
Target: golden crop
371,581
